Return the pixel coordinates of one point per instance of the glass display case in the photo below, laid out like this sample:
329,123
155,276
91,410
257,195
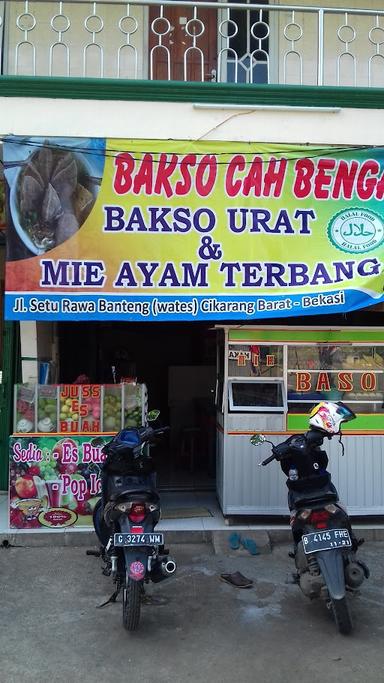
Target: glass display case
134,403
112,407
46,408
255,360
339,369
24,414
265,396
350,372
78,408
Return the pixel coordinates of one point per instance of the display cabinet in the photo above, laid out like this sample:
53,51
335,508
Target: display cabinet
268,380
78,408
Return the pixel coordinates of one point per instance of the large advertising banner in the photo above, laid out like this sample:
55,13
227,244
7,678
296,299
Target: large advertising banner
177,230
54,481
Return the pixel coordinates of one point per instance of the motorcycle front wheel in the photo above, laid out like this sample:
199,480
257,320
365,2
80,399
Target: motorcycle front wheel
342,615
131,604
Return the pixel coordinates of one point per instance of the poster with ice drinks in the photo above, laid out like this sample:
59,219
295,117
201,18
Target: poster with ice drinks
54,481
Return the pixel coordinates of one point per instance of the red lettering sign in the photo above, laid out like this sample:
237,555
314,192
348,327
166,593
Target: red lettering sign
344,381
323,383
303,381
368,381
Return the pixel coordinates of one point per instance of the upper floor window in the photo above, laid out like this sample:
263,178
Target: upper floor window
248,45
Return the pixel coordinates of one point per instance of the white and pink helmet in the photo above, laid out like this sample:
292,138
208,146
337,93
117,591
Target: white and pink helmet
328,416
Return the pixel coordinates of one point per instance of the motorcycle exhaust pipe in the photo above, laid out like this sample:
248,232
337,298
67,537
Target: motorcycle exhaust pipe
169,567
163,569
354,575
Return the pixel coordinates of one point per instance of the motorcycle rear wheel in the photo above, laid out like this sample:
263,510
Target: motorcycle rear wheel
102,531
342,615
131,604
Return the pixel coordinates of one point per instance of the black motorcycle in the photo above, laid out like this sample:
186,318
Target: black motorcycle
324,544
125,518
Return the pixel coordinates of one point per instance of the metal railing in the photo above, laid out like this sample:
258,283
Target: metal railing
235,42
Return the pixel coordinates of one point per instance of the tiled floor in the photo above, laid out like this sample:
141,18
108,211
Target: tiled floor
192,499
3,512
170,500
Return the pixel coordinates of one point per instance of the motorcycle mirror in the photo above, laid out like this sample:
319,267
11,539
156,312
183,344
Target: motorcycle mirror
97,441
257,439
153,415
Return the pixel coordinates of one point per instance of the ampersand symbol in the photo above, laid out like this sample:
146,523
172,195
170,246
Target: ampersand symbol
209,249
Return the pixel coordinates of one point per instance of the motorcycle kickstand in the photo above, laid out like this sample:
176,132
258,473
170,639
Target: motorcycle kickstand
112,598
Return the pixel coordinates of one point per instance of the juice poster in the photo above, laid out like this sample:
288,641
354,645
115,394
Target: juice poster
54,482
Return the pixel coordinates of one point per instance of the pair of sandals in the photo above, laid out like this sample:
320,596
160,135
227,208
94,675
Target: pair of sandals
235,541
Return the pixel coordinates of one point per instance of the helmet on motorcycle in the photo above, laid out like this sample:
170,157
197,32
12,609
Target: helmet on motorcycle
328,416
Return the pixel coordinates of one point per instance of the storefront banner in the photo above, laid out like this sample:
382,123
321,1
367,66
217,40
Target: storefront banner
178,230
54,481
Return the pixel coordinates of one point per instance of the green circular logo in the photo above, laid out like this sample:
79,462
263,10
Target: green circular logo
356,230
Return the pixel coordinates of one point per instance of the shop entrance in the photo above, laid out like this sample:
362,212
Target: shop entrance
177,362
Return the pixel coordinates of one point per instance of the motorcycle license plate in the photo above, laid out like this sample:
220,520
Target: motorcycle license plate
125,539
326,540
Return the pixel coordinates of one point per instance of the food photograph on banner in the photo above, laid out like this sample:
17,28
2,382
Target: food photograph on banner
199,231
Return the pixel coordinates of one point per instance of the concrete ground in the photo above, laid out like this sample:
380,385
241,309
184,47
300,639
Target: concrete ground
204,631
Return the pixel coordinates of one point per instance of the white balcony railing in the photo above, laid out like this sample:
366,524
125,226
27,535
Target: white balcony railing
234,42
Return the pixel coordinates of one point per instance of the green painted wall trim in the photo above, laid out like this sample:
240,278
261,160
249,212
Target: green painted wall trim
175,91
326,335
365,422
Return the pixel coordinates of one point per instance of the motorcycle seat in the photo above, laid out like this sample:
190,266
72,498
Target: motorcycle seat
140,495
318,497
314,499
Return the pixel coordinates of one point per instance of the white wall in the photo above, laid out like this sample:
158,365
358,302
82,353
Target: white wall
162,120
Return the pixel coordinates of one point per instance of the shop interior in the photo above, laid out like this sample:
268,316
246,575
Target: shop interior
177,362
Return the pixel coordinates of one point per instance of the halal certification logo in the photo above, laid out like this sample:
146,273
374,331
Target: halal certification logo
356,230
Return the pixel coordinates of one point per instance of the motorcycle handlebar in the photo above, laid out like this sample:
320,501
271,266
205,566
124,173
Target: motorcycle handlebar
268,460
150,433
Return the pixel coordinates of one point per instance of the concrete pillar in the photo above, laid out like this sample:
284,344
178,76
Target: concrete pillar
28,343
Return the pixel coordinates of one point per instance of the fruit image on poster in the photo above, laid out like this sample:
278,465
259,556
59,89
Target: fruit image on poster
54,481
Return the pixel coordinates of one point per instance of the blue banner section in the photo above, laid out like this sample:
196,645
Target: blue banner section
37,306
